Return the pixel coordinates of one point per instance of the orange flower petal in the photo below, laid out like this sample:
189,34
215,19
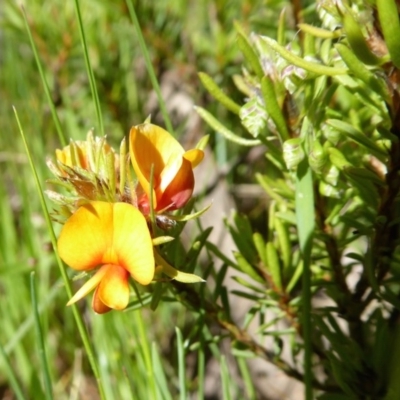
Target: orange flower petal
132,243
113,290
195,156
98,306
108,233
168,174
89,285
152,145
179,191
85,240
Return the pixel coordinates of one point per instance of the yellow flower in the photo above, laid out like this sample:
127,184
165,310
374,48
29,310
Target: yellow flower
173,179
115,237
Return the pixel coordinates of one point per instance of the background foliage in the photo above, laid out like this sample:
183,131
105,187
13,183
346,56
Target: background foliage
301,104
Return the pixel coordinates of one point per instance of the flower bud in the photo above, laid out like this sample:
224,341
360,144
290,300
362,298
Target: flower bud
293,152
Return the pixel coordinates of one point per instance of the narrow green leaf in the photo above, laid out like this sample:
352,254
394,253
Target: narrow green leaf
357,136
181,364
316,68
156,295
281,34
389,19
249,54
246,375
295,277
214,249
359,70
41,346
219,281
357,41
273,265
54,114
159,374
282,234
260,246
243,235
245,267
248,285
363,173
305,227
188,217
226,381
272,107
338,159
12,378
218,94
201,367
320,32
218,127
150,68
89,69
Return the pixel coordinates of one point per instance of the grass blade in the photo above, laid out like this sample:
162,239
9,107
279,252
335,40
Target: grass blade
226,384
17,390
181,364
54,114
150,68
41,346
159,375
89,70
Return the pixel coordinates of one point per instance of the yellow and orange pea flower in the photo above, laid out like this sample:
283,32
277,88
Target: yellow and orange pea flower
154,151
114,237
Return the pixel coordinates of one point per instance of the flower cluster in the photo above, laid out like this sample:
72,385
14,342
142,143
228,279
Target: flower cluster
109,218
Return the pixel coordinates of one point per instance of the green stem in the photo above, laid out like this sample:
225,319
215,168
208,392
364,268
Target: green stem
89,69
15,385
45,85
146,352
42,348
150,68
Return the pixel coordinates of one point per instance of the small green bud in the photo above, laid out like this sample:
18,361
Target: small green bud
317,157
293,152
331,134
331,174
328,190
253,116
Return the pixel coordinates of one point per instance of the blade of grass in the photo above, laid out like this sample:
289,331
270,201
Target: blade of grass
17,390
226,384
146,353
247,378
201,361
150,68
54,114
78,318
181,364
305,227
25,327
159,375
41,346
89,69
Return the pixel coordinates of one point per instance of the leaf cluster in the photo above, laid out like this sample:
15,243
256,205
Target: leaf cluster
324,102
